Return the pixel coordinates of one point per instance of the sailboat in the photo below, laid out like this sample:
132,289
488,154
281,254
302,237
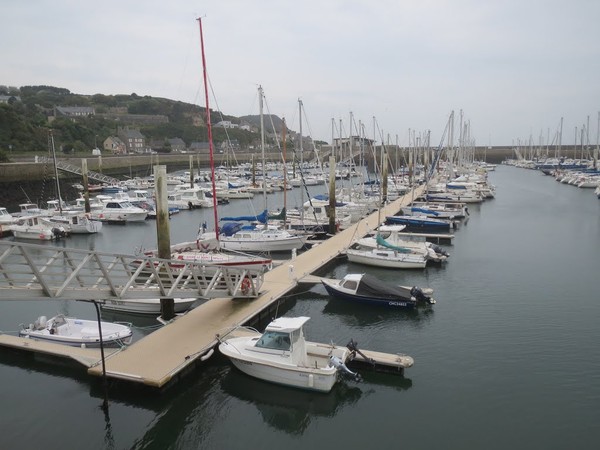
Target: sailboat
382,253
416,244
74,221
261,237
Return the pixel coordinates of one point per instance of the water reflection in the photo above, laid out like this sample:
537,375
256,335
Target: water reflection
358,315
287,409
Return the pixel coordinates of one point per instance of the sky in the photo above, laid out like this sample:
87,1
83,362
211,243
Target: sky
510,69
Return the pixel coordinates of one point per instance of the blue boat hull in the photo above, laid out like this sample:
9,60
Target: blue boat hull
389,302
420,224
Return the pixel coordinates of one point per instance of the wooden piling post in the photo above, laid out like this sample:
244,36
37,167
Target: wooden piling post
86,186
163,235
384,178
332,227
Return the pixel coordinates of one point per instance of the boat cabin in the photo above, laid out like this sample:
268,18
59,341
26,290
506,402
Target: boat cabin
29,209
285,334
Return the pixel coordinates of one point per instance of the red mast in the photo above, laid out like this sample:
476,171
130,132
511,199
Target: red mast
210,139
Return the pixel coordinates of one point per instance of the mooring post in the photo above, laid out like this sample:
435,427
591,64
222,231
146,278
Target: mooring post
104,381
163,235
384,178
332,227
86,185
191,171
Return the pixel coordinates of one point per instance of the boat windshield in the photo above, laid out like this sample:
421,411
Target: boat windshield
275,340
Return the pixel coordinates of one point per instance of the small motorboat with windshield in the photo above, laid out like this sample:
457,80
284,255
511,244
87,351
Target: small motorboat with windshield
281,355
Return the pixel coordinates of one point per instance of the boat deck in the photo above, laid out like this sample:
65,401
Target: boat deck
89,357
164,354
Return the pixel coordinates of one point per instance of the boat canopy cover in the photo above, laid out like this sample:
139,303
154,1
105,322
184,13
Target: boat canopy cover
381,241
278,216
230,228
325,198
262,217
425,211
232,186
371,286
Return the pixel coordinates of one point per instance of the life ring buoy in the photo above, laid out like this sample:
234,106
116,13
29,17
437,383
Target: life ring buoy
246,284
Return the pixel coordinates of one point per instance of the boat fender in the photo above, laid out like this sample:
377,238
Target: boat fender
246,284
207,355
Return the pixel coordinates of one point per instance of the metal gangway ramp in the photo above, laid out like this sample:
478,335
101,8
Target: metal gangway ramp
77,170
34,272
38,272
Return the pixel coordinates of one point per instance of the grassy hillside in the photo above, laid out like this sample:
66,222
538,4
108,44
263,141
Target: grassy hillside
26,120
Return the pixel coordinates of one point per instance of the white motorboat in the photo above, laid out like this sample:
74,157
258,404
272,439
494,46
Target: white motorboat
146,306
37,228
6,221
77,332
29,209
196,197
175,200
116,210
79,223
281,355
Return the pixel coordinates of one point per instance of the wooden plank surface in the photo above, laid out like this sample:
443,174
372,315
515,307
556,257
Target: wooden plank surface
156,358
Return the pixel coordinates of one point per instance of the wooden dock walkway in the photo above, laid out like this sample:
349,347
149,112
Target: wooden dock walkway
164,354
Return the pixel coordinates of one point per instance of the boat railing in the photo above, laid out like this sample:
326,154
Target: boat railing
34,272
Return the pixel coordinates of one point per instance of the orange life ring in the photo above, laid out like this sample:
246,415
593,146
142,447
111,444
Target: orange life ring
246,284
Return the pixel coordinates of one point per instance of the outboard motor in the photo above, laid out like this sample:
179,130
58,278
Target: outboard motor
420,296
58,232
439,250
342,368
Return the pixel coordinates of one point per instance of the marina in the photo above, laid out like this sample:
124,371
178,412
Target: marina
493,338
159,357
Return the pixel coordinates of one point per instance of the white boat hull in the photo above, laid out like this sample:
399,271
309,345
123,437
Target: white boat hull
77,332
275,366
387,258
146,306
267,245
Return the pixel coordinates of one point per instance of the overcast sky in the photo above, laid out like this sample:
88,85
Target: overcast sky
514,67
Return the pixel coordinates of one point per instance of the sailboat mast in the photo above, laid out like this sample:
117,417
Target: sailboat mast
301,160
262,143
56,173
210,139
284,167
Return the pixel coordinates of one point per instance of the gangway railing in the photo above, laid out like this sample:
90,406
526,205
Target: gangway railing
34,272
77,170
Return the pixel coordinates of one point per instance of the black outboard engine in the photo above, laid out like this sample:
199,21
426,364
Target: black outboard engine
58,232
418,293
439,250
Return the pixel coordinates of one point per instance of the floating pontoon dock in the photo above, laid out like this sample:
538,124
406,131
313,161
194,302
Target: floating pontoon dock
175,348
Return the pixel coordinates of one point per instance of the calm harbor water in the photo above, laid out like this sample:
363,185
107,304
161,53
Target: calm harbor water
507,358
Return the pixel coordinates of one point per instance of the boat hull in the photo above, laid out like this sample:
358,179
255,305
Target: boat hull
146,306
399,302
271,368
78,333
386,259
250,245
